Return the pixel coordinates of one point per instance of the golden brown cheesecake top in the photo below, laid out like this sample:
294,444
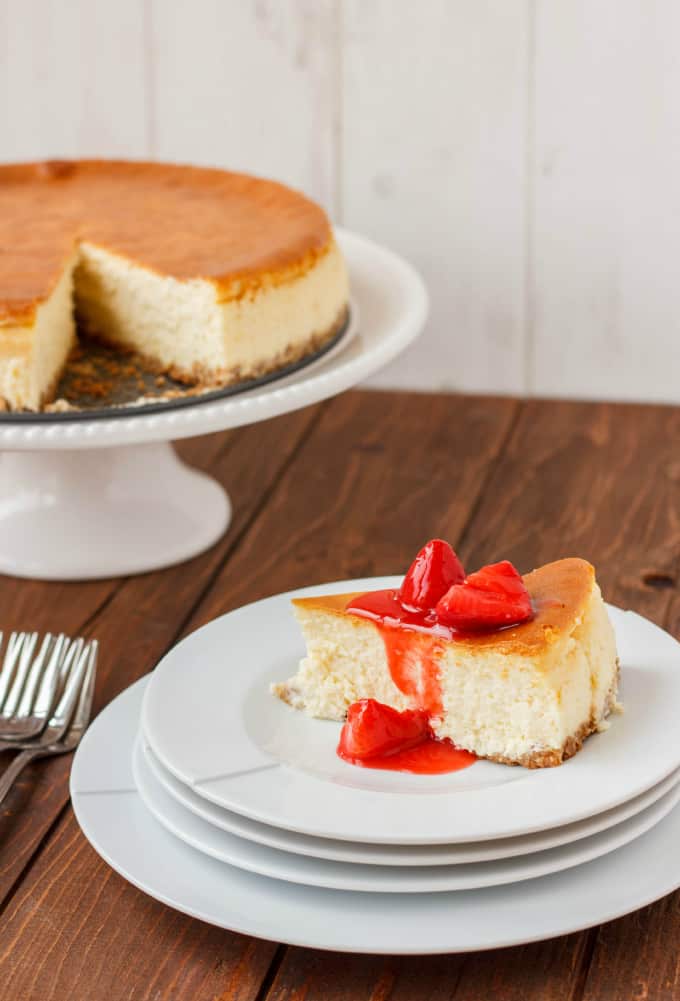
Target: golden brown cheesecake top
184,222
559,594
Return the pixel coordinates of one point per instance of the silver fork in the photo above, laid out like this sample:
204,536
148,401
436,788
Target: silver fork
28,684
69,722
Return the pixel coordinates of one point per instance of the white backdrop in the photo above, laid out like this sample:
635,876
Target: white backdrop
525,154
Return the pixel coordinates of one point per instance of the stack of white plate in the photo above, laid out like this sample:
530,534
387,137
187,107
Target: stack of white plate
211,795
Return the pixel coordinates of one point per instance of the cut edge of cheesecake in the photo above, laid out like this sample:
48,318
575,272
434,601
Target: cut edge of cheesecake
36,344
201,330
528,695
187,328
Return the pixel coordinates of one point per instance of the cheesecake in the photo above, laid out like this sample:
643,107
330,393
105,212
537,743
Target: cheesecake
519,670
212,277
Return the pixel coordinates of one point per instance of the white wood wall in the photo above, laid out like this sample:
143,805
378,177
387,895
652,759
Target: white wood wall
524,154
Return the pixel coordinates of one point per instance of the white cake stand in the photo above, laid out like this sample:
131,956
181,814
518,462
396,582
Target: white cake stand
109,497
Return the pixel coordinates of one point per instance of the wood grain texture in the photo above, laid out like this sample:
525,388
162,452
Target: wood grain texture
606,163
433,152
379,473
248,86
72,79
137,619
592,480
644,951
508,975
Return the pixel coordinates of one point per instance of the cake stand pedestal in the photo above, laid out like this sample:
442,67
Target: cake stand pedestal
104,512
88,498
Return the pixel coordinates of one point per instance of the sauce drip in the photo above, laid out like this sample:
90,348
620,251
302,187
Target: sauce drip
413,645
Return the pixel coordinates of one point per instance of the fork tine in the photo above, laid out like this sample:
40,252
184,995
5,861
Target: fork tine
11,653
49,681
82,716
72,654
34,677
41,686
71,693
14,695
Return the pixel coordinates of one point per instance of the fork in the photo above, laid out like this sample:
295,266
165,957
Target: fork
28,686
69,722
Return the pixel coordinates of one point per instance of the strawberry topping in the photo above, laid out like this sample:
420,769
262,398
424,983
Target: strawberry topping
373,729
491,598
434,570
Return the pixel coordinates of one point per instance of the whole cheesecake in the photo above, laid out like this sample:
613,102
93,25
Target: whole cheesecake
528,694
213,277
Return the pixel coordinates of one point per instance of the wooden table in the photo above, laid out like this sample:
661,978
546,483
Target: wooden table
348,488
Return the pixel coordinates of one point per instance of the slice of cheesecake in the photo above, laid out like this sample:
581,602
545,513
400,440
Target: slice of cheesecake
528,694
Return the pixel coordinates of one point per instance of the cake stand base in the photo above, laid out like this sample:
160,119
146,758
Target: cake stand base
105,512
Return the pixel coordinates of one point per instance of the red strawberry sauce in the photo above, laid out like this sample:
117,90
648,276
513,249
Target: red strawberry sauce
412,641
378,736
435,603
431,757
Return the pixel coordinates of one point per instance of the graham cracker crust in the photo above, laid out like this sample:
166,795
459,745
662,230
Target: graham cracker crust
203,378
89,379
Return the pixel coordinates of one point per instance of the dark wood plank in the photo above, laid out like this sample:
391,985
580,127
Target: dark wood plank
135,619
110,941
595,480
348,977
371,480
584,479
644,951
380,473
316,975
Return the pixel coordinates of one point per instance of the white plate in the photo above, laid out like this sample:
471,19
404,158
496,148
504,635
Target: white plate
391,855
210,719
377,879
124,833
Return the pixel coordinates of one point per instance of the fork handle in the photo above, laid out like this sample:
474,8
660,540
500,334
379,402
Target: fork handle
10,775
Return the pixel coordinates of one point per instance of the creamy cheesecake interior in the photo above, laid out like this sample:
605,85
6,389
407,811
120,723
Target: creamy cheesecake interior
33,351
527,695
213,277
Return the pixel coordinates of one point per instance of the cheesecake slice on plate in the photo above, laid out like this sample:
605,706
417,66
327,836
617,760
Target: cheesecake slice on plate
516,669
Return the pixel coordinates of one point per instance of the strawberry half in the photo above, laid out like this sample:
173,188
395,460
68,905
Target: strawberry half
491,598
373,729
434,570
497,577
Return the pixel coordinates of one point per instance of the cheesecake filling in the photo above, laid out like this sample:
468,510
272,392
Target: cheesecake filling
188,328
513,709
34,352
